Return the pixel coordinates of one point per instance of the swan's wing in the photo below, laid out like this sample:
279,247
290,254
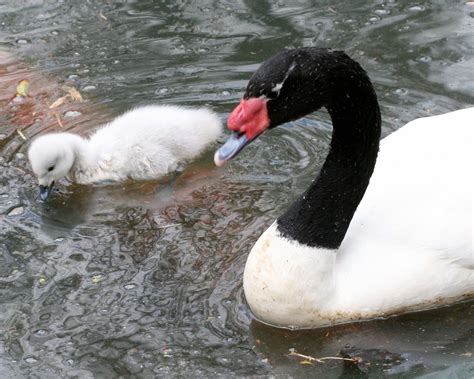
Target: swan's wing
421,193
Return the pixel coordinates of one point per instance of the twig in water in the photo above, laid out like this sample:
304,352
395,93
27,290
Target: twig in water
58,102
58,119
21,134
320,360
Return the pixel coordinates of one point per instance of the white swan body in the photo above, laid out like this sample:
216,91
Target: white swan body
409,246
144,143
384,229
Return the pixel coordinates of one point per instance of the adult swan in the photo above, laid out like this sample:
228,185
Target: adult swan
348,250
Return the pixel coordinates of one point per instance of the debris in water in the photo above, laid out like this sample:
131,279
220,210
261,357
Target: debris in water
22,88
74,93
167,352
58,102
97,278
31,360
71,114
89,88
58,119
308,359
21,134
16,211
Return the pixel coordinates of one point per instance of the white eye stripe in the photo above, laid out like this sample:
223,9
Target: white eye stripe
278,86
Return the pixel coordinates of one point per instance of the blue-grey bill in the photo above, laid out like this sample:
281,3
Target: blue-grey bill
44,191
230,149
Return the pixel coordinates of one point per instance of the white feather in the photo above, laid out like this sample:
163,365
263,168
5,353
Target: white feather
144,143
409,246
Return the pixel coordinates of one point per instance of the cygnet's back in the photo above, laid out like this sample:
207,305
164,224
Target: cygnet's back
149,142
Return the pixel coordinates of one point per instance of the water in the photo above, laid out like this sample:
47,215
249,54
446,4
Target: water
145,278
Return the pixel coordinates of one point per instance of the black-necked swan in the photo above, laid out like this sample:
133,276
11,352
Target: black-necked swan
348,250
144,143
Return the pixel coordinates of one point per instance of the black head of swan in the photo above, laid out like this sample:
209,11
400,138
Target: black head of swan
347,250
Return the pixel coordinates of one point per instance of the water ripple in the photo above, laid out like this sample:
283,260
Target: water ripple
145,278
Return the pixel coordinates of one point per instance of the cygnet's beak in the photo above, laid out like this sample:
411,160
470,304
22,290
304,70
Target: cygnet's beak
44,191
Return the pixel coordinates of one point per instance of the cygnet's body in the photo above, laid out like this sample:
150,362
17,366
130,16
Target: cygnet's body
144,143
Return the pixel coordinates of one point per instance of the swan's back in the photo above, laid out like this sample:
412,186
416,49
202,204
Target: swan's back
421,192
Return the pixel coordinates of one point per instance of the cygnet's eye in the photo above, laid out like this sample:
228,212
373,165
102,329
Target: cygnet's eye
51,168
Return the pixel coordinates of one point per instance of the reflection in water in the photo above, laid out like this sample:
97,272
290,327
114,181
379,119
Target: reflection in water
146,278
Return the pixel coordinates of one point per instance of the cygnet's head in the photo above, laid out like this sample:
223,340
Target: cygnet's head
51,157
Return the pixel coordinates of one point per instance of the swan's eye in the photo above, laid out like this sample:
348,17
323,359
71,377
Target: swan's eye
51,168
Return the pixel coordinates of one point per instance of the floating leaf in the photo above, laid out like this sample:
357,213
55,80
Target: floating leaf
306,362
58,102
22,88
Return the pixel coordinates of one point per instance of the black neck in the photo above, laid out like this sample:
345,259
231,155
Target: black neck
321,216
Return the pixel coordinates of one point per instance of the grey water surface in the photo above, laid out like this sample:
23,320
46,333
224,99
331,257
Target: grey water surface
145,279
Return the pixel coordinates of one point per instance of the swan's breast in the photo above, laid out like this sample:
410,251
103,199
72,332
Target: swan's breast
289,284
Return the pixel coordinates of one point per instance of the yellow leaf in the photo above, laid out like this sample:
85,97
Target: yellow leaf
306,362
23,87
